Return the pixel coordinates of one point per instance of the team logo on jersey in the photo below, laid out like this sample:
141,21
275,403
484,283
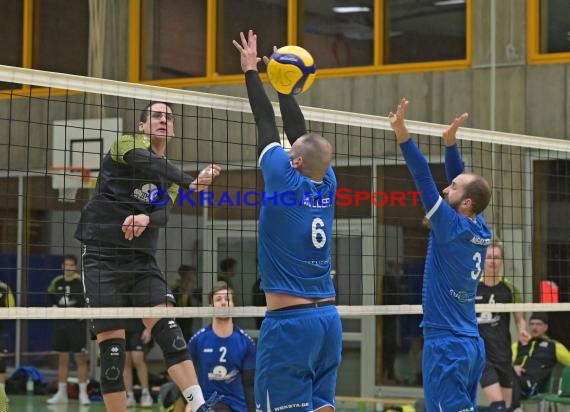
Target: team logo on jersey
487,318
146,193
220,373
461,296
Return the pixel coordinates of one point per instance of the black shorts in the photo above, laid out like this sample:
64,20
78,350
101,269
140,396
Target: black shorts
115,277
134,341
501,373
3,343
70,337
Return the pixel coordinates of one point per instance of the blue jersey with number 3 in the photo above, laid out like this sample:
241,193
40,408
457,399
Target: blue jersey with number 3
454,264
456,251
295,228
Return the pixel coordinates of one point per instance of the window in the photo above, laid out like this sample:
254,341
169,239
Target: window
339,36
268,18
555,30
61,36
185,43
554,33
551,234
424,31
173,39
548,31
11,32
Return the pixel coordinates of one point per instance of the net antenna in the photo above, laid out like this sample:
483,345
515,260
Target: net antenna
67,180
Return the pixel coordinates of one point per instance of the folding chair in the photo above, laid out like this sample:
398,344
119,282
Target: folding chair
563,396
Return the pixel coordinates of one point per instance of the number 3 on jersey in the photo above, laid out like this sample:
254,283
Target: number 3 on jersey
318,234
477,259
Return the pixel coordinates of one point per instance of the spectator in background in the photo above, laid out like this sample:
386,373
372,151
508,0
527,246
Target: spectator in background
495,329
66,291
227,270
534,361
137,337
6,301
185,296
224,355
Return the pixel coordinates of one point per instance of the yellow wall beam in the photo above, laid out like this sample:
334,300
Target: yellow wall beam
134,41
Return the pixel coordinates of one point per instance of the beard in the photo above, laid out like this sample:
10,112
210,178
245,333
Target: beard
454,205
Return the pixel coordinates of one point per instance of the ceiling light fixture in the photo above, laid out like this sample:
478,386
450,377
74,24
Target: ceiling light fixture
448,2
351,9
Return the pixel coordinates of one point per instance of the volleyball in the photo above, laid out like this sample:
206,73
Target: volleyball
291,70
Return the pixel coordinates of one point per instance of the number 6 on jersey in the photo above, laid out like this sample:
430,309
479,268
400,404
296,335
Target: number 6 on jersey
318,235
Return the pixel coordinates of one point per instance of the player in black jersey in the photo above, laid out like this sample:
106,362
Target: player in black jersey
6,301
66,291
119,228
498,376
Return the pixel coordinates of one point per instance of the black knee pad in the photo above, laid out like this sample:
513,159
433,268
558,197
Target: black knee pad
2,364
169,337
498,406
112,365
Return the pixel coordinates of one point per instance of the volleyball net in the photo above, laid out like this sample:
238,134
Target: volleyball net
55,133
56,128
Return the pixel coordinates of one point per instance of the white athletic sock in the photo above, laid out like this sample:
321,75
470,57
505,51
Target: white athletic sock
145,391
62,388
193,395
83,387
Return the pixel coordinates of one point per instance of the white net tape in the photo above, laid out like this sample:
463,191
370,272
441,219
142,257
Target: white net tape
248,311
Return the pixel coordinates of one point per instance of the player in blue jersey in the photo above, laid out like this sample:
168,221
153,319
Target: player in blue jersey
300,340
454,353
224,356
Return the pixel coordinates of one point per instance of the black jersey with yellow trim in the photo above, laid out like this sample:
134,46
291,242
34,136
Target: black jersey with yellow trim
539,356
65,293
495,327
130,176
6,296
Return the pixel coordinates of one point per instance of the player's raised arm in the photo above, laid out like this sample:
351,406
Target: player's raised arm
415,160
260,105
453,164
293,119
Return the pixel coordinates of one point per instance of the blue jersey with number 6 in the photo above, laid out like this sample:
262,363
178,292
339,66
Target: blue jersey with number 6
295,228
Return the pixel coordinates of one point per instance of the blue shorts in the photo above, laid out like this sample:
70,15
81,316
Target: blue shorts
452,367
298,355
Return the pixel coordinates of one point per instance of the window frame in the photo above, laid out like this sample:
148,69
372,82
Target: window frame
27,54
212,78
533,34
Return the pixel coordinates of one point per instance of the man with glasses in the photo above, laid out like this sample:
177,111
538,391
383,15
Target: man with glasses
534,361
119,228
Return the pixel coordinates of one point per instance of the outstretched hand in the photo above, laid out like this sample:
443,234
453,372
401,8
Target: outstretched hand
206,177
397,121
266,59
450,131
248,51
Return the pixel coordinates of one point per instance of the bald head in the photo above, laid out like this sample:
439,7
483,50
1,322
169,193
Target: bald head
479,191
316,153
